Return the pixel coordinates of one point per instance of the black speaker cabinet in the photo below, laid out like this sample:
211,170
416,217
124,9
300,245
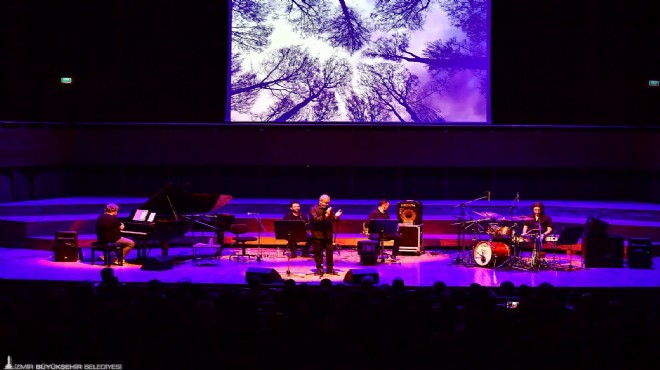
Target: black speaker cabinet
602,251
368,251
266,275
65,251
355,276
640,253
161,263
410,212
65,246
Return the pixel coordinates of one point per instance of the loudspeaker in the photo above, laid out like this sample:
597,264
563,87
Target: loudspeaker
639,253
603,251
355,276
266,275
410,212
161,263
368,251
65,247
65,251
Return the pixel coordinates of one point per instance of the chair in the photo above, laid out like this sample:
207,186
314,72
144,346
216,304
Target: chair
107,249
239,241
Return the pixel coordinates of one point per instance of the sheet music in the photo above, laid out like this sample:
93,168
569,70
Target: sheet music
140,215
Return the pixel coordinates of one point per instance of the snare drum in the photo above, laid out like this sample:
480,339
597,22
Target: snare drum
493,253
551,238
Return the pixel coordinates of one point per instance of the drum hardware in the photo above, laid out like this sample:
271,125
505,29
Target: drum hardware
464,223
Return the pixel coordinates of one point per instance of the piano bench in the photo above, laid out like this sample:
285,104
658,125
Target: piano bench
107,249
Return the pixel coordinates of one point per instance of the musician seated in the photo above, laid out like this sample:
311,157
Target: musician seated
294,215
538,225
108,230
381,213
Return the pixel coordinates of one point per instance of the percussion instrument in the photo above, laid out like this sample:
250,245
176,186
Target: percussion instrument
493,253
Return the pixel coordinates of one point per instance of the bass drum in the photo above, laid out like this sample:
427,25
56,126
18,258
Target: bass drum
491,253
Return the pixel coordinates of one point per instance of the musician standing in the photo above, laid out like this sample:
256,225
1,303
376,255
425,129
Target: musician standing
381,213
321,222
108,229
294,215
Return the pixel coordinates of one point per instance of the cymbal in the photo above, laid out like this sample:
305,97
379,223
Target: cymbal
522,218
490,215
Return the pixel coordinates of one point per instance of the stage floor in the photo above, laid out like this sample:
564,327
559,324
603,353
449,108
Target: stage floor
423,270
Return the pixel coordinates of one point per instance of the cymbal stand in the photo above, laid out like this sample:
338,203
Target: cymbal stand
460,234
514,261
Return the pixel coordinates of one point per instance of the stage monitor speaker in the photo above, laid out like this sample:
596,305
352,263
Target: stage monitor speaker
266,275
355,276
410,212
640,253
603,251
161,263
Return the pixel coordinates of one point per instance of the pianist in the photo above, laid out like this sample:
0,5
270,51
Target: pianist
108,229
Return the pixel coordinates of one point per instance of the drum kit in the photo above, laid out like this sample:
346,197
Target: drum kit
503,246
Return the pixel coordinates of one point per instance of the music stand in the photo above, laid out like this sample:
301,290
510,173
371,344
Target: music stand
383,228
293,231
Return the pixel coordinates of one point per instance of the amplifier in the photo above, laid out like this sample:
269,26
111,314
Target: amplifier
411,238
65,251
410,212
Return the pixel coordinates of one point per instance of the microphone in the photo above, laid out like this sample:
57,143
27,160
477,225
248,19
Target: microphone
489,195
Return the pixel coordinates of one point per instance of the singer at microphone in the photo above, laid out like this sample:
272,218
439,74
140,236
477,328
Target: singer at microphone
321,221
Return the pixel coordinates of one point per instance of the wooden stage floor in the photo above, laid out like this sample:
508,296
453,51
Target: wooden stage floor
422,271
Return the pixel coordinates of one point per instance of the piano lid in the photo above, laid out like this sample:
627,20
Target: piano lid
174,200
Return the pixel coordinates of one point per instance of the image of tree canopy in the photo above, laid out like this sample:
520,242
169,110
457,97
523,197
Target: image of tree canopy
360,61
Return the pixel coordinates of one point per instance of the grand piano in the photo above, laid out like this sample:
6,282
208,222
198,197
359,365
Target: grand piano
163,217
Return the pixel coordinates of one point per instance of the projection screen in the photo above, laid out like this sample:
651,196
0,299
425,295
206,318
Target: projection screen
360,61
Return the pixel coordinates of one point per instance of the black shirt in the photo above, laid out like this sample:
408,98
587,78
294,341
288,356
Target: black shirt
545,220
107,228
320,225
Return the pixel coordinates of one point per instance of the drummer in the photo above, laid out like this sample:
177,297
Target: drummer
538,223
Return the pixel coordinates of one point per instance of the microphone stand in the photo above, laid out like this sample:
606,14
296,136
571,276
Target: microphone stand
334,241
257,217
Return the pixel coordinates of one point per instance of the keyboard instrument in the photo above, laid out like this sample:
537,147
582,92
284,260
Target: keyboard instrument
158,219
